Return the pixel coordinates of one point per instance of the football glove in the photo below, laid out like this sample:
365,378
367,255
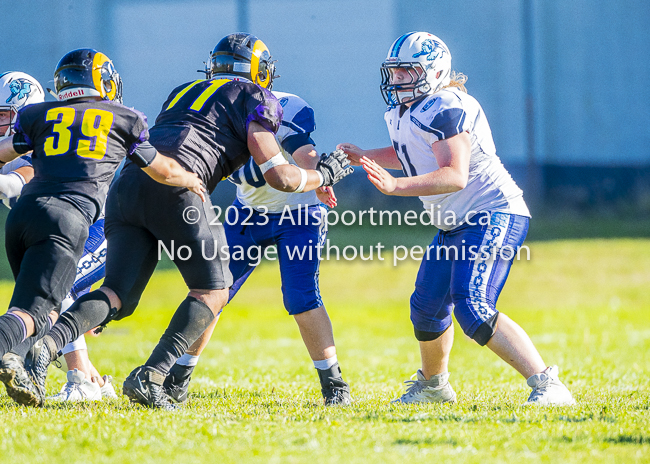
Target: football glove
334,167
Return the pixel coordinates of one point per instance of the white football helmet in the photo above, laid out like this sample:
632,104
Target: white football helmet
427,60
17,89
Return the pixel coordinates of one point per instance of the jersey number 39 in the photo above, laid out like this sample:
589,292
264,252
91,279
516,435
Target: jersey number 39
95,125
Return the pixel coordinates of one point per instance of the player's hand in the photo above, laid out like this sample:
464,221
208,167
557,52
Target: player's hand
354,153
196,185
326,196
334,167
379,176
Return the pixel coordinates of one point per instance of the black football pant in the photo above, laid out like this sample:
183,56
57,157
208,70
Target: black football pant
45,237
142,216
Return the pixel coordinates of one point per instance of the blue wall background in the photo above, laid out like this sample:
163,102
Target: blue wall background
564,84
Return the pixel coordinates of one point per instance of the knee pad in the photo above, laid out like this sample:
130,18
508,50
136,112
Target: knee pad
423,336
486,330
96,305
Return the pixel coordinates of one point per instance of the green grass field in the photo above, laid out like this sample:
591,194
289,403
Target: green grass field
255,395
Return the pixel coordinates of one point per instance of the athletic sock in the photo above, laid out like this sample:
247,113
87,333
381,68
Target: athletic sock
12,332
23,348
325,363
188,360
188,323
89,311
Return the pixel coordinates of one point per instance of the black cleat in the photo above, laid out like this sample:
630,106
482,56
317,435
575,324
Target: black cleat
337,393
335,390
38,360
145,386
177,382
20,387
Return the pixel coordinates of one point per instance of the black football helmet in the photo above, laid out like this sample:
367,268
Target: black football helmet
87,72
244,55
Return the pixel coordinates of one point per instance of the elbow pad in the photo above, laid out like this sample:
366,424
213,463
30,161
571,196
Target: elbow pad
21,143
10,185
144,155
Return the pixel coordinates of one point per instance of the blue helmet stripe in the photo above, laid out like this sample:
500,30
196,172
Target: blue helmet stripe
398,44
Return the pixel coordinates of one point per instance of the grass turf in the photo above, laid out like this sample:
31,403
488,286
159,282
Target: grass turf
255,395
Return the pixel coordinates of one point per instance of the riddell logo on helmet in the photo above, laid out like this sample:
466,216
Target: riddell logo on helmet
72,94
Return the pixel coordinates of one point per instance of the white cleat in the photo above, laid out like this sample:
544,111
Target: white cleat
78,389
435,390
548,390
108,392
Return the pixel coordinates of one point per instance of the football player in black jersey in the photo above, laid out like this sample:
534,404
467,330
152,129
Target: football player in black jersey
77,144
211,127
17,90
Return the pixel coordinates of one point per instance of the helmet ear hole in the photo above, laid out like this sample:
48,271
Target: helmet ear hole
263,71
107,77
438,74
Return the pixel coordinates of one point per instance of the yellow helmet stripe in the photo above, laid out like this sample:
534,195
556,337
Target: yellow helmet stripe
98,60
258,49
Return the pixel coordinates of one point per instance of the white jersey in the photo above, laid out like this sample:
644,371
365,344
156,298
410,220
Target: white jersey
297,125
11,166
440,116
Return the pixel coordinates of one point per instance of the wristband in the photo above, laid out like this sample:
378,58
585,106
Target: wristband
322,179
303,180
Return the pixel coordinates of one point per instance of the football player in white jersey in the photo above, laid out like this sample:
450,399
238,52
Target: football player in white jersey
442,141
262,217
17,90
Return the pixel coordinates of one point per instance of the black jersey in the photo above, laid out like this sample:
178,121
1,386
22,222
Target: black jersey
204,125
77,145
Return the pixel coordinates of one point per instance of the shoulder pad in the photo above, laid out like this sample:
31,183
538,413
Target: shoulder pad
298,116
441,114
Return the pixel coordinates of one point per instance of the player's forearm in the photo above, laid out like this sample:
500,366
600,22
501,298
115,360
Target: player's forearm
288,178
441,181
306,157
168,171
384,157
27,172
284,177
